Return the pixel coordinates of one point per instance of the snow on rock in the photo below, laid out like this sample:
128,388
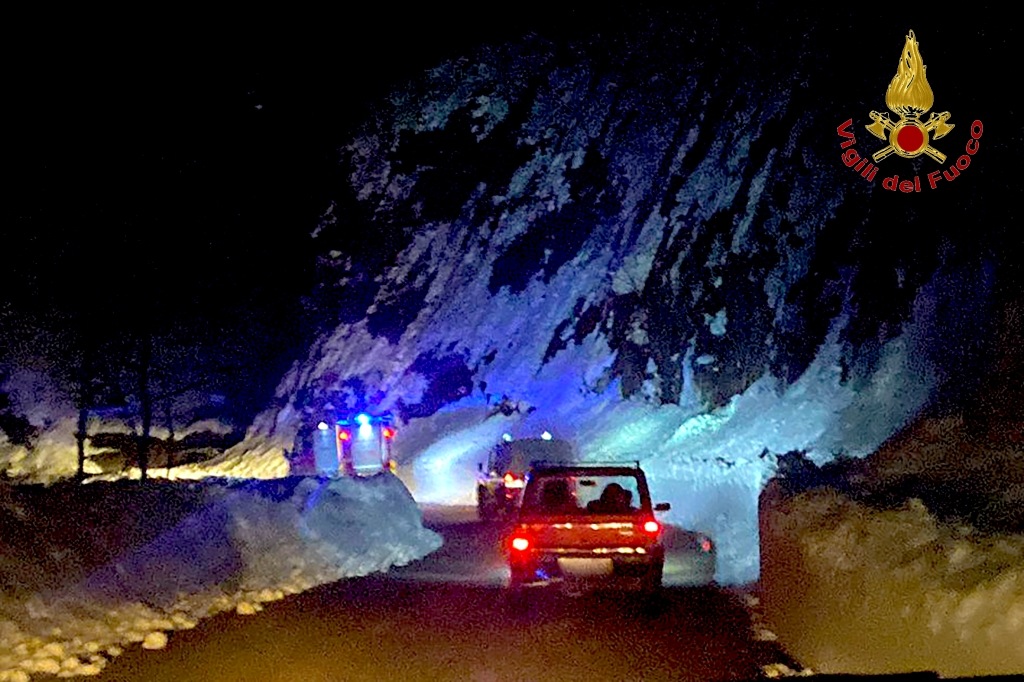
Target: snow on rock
639,241
90,568
709,464
636,240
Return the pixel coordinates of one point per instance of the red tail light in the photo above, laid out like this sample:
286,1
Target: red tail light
344,435
705,544
520,543
388,432
652,527
513,481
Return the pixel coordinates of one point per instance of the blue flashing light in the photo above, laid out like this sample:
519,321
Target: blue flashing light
507,437
322,426
363,418
546,435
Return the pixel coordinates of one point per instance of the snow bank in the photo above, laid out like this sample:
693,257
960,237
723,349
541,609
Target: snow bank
854,589
710,466
86,569
52,458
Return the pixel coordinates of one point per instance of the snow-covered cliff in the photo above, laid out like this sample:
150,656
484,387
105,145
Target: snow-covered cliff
645,241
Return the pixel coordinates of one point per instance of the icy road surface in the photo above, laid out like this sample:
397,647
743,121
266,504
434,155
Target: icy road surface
442,618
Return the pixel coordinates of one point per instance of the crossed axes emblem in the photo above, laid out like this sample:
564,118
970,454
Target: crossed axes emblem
884,128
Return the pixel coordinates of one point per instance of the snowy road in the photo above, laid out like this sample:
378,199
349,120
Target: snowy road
442,619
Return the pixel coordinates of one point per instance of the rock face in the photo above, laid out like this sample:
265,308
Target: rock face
653,222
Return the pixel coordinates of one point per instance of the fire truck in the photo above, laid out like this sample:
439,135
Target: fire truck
356,446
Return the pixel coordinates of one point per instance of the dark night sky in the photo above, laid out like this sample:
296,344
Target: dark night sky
206,145
170,169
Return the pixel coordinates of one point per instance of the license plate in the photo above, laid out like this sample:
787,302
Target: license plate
585,568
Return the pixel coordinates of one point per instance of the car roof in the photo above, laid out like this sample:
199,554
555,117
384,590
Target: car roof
544,469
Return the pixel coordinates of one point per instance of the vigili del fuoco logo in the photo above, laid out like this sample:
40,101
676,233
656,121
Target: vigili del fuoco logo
909,97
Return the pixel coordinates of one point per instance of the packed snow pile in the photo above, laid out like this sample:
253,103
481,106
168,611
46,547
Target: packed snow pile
879,569
87,569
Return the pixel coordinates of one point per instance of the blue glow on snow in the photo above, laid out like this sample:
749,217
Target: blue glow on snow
709,466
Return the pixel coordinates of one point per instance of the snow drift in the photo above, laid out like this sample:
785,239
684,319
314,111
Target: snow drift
910,560
86,569
851,589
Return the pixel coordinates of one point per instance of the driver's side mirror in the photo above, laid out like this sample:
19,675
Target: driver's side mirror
662,506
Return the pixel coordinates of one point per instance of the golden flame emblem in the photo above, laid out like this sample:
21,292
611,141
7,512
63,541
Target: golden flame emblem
909,96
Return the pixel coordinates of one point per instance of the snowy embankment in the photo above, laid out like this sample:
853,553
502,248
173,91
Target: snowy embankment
87,569
856,586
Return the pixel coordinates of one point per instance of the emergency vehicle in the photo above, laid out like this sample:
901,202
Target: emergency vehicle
356,446
501,478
